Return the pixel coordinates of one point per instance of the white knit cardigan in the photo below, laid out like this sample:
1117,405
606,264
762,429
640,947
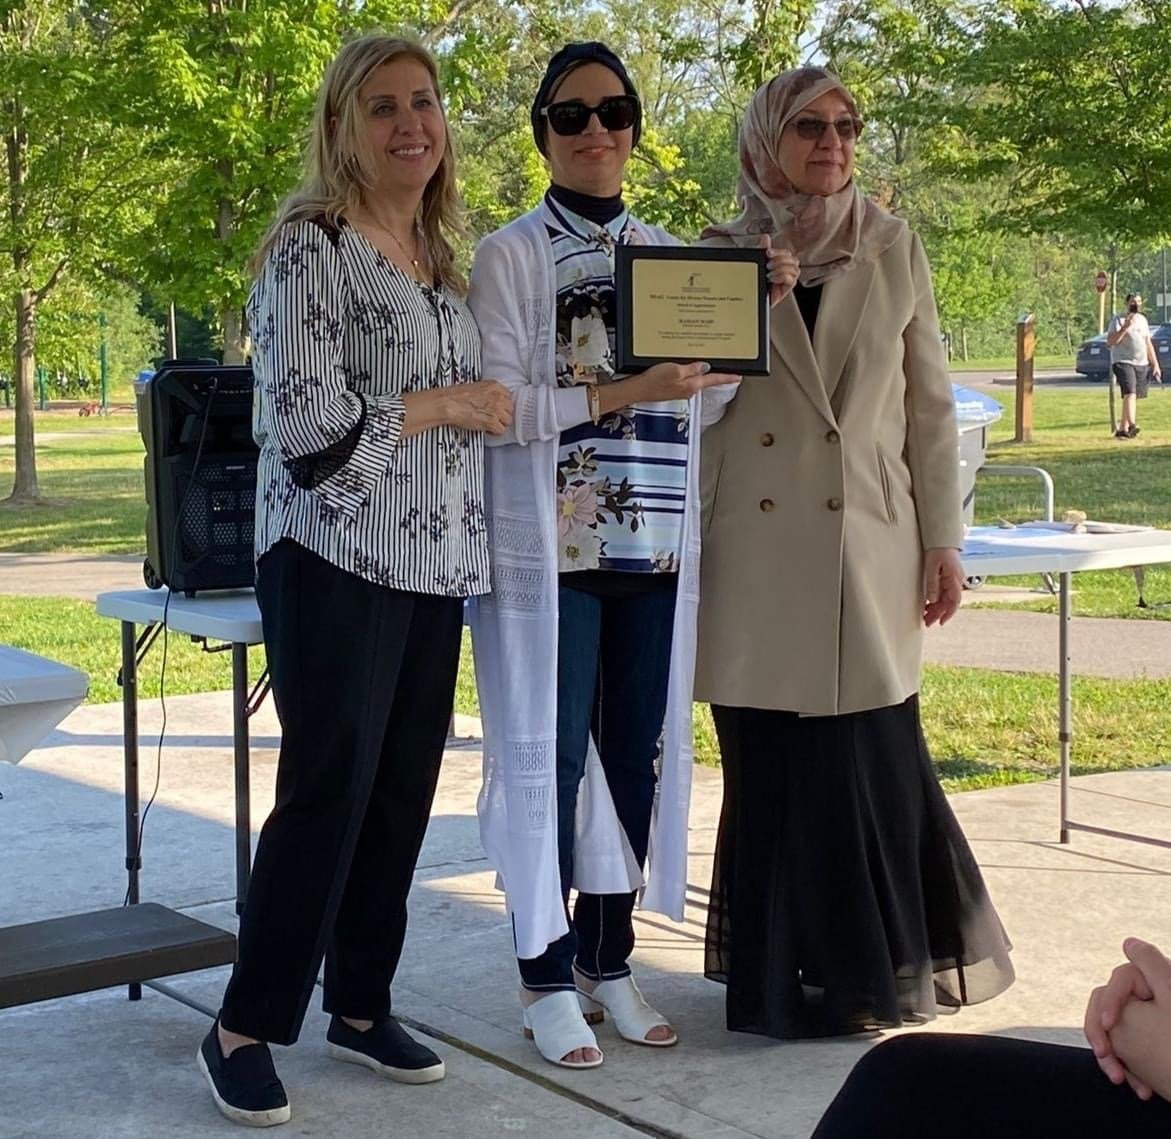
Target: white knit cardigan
514,628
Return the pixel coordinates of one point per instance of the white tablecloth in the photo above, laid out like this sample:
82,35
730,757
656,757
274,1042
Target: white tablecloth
36,694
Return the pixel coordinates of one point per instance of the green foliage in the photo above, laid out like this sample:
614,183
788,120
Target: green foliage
996,132
761,37
1027,141
70,333
74,187
1070,107
227,88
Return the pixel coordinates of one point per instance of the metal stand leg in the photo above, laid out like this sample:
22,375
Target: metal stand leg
1065,698
240,750
130,768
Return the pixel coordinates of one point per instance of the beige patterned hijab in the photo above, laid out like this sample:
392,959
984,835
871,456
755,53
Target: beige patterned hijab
830,234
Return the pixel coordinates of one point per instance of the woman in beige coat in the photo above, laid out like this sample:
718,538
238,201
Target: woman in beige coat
844,896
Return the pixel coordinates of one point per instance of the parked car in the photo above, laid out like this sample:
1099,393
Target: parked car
1161,335
1093,357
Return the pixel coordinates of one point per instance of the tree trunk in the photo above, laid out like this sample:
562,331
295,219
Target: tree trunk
25,488
231,318
231,321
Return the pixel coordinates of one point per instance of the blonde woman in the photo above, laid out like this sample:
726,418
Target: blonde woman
370,532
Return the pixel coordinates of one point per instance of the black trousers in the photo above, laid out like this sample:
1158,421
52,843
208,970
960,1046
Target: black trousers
927,1086
364,680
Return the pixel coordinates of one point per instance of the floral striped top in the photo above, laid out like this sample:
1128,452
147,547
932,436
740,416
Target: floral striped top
340,334
621,483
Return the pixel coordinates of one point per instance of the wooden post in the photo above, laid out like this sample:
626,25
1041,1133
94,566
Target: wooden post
1026,342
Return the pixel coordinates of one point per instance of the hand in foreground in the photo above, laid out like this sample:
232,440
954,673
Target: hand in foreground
783,270
1104,1011
485,405
943,585
678,381
1142,1038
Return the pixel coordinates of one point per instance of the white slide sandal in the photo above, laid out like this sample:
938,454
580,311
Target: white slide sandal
632,1016
554,1023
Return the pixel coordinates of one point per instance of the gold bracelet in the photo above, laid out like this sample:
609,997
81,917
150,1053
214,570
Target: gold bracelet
594,400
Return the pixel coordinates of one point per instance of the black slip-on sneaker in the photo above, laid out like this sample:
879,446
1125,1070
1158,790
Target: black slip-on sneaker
386,1049
245,1085
1133,431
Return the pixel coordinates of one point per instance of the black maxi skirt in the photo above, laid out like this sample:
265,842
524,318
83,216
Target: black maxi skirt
844,895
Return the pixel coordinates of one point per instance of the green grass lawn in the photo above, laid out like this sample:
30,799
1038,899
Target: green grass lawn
72,632
1008,363
985,728
90,473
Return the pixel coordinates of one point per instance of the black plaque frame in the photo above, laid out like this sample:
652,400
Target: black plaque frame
625,256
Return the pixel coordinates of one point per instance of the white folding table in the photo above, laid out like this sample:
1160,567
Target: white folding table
36,694
230,617
989,550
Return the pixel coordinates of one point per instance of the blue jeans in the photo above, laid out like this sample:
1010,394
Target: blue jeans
613,658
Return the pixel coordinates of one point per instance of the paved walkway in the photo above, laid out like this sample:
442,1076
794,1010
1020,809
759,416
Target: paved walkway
1027,642
983,638
83,576
99,1067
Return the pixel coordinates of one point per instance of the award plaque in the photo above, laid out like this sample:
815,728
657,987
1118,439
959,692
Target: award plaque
686,303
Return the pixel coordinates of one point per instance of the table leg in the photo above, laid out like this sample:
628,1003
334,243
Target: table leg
130,768
240,748
1065,698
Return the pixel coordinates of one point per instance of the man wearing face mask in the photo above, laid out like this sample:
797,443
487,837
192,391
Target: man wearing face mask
1133,360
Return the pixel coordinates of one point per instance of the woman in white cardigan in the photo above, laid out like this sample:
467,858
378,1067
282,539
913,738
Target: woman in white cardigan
588,637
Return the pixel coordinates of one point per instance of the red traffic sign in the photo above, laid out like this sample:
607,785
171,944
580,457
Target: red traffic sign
1101,281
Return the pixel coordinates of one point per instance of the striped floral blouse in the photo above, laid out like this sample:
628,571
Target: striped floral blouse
339,335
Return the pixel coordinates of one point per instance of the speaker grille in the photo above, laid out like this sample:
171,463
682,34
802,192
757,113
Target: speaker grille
206,410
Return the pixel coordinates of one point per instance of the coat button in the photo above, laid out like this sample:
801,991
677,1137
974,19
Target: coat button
766,440
832,437
834,504
766,504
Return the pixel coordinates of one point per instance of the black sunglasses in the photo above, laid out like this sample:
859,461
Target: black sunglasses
848,128
616,113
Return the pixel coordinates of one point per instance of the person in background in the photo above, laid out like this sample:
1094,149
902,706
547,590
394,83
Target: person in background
370,532
1133,360
844,895
939,1086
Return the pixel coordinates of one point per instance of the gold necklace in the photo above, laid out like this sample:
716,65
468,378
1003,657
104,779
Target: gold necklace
413,260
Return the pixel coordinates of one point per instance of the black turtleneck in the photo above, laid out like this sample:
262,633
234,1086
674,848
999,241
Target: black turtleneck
598,210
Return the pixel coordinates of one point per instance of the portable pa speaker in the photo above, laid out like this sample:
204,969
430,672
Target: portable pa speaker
200,468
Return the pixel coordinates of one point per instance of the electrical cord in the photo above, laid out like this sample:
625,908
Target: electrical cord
172,550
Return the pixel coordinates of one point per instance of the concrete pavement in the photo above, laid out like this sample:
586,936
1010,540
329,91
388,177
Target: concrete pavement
81,576
1027,642
100,1067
